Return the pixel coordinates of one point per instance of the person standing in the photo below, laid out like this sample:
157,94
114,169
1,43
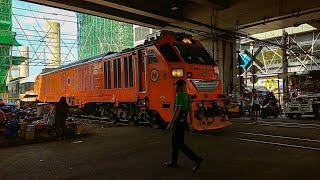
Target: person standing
61,110
182,106
255,105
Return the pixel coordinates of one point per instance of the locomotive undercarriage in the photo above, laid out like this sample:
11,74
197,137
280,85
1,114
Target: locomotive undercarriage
133,114
208,109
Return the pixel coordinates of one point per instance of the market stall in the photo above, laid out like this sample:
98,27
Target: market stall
38,126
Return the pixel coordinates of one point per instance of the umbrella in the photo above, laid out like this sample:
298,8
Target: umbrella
262,89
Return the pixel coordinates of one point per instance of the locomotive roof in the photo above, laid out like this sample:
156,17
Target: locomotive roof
97,58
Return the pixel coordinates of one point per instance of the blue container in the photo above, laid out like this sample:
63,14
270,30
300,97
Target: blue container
12,129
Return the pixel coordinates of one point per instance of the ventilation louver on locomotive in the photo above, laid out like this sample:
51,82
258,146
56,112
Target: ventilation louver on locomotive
205,86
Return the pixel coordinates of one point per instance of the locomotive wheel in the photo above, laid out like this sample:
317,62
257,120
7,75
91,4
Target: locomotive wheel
317,112
289,115
114,118
132,121
153,120
298,115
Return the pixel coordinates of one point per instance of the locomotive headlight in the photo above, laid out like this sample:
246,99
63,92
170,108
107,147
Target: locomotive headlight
177,73
187,41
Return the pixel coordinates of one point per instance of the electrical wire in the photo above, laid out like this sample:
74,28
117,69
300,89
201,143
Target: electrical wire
24,29
22,35
42,12
43,18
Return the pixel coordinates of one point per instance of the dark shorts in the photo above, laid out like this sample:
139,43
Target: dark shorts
255,107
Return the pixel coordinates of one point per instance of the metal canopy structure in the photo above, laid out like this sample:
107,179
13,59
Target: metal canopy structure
7,41
225,14
98,35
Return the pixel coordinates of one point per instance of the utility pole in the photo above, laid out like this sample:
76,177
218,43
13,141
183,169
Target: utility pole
240,79
285,66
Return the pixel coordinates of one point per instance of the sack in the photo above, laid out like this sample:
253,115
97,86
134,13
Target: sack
51,119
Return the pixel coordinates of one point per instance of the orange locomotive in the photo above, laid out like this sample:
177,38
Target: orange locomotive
138,84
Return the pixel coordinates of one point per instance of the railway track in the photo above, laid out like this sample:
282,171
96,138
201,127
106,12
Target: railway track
274,140
251,137
285,124
289,124
107,122
279,140
279,133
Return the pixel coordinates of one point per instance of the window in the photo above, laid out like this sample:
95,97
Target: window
68,81
168,52
143,63
130,71
85,78
115,77
152,58
77,77
105,72
126,80
119,73
82,79
194,55
107,75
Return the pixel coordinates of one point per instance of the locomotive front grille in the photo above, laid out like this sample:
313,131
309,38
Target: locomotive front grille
205,86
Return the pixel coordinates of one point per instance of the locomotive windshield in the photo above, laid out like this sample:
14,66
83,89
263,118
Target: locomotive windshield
194,55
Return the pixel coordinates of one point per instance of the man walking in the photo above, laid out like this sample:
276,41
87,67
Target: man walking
182,106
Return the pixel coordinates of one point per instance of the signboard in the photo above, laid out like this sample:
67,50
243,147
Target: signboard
254,69
254,78
254,57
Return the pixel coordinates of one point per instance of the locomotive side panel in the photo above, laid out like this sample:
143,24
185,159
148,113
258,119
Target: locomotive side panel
38,87
160,85
120,75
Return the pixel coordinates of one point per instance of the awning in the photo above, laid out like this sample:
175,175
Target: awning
17,60
7,38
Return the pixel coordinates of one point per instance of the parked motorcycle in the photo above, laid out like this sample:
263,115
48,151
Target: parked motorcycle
270,109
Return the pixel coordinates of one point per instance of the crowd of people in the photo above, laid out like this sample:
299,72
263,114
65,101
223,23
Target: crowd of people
258,100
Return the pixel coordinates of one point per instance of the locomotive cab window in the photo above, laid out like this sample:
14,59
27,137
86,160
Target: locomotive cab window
194,54
169,53
152,58
143,61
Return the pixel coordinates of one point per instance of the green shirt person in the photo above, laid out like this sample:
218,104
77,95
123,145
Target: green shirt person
181,107
182,99
182,102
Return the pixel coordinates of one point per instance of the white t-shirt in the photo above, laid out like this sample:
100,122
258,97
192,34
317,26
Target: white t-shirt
254,101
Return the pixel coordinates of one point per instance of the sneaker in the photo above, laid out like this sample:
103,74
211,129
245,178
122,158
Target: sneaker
197,165
171,164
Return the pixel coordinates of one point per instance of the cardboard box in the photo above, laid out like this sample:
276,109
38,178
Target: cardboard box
22,133
30,131
23,125
29,135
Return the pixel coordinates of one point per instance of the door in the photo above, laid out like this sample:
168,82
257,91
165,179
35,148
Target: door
142,71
